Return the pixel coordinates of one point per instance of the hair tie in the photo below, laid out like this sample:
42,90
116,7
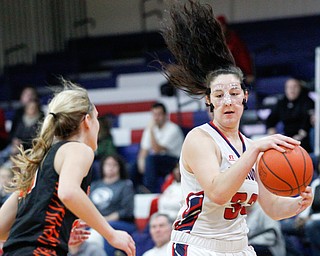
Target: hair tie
53,114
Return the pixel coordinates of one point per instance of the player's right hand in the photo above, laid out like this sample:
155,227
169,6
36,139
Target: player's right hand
123,241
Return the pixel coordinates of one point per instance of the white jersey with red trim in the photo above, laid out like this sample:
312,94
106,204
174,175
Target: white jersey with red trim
201,217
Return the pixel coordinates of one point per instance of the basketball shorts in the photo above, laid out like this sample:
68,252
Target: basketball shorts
189,245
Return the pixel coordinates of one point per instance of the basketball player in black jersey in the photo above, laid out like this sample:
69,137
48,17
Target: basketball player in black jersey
52,180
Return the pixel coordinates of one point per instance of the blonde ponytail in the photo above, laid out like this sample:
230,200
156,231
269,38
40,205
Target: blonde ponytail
65,113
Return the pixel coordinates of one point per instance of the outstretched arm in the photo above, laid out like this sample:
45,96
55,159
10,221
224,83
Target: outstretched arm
73,160
279,207
202,157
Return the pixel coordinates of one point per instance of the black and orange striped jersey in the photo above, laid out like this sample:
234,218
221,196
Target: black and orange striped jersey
43,223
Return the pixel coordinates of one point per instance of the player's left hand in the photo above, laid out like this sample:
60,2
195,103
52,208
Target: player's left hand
78,233
305,200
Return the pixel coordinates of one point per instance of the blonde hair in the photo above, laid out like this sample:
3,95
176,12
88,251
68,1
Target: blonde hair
66,111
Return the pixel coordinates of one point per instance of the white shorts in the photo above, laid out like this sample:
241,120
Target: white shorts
188,245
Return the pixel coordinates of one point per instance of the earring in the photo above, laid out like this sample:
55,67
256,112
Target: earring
211,106
245,105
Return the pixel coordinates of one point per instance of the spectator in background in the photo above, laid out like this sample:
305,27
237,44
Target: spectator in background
4,136
5,177
11,150
113,196
27,127
160,231
159,149
168,202
294,111
29,93
105,140
238,50
25,131
265,234
106,146
307,223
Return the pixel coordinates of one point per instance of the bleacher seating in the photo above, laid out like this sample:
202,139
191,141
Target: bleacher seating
282,46
122,83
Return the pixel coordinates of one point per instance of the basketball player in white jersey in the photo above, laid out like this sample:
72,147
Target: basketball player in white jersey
218,164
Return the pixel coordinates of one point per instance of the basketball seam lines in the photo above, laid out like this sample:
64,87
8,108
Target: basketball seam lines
292,170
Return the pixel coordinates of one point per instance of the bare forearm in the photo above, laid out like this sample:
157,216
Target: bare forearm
80,204
283,207
226,184
278,207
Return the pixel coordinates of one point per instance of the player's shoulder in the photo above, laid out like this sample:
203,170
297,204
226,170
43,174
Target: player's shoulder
200,130
76,148
197,135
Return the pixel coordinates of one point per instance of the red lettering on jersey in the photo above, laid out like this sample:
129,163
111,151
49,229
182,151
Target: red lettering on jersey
237,206
231,158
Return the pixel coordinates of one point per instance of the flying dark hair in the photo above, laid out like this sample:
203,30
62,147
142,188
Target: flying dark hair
196,40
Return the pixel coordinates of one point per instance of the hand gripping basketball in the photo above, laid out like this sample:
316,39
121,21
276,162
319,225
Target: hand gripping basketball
286,174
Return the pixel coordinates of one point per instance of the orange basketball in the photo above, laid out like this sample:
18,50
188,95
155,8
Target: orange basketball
286,174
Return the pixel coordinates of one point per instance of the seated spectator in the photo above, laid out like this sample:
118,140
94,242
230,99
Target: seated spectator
113,196
294,236
25,131
159,149
4,136
302,230
28,93
105,140
160,231
294,110
168,202
29,124
105,145
265,234
5,177
11,150
309,220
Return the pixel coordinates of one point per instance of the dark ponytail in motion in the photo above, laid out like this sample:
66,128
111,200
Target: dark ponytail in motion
196,40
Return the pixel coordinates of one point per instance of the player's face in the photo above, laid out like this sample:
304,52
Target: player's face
227,97
94,127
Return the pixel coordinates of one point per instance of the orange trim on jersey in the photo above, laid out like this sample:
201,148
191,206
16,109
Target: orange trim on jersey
41,251
53,220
